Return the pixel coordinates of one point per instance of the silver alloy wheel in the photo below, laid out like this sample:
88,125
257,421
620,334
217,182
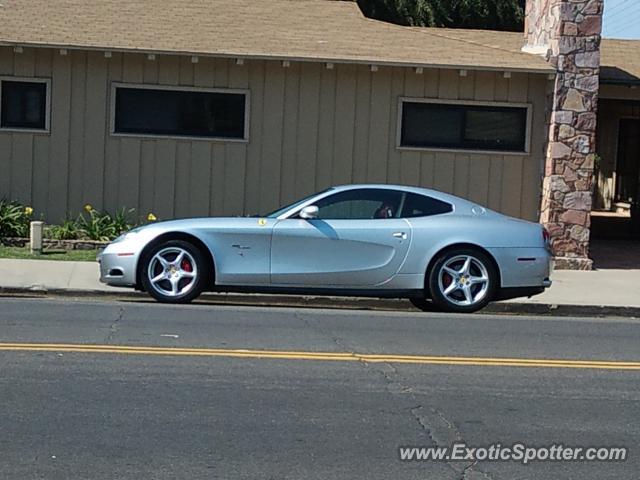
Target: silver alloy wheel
463,280
172,271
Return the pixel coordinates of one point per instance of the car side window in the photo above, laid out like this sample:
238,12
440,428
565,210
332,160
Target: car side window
360,204
416,205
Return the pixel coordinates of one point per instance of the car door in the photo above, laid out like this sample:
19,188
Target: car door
358,240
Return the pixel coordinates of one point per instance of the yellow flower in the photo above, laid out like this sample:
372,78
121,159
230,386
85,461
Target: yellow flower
151,217
88,208
28,210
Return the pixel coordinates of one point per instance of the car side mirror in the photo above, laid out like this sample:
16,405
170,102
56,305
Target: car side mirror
309,213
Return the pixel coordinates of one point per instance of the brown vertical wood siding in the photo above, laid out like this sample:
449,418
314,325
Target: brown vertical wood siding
310,127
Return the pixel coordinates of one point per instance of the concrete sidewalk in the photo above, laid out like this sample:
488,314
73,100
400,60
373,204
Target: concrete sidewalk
52,275
598,288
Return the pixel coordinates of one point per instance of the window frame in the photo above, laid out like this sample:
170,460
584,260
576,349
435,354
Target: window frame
47,107
178,88
471,103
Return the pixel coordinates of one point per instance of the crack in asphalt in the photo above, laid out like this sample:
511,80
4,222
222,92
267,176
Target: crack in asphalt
446,434
475,474
389,381
333,338
467,469
428,421
440,430
113,328
423,425
450,424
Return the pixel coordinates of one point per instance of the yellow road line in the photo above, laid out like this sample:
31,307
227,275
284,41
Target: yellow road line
329,356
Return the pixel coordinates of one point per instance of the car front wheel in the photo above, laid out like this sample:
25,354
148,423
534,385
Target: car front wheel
174,272
462,280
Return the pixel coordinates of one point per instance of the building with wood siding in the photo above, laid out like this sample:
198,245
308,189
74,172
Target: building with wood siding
298,95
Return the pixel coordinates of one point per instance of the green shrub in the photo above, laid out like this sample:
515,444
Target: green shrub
68,230
89,225
121,220
102,226
14,219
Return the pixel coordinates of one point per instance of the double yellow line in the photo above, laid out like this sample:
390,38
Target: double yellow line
326,356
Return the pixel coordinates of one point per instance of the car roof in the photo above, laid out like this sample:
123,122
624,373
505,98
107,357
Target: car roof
445,197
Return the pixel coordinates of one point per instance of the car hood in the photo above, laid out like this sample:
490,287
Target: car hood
207,223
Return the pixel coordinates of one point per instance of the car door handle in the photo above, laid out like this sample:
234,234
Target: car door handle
401,235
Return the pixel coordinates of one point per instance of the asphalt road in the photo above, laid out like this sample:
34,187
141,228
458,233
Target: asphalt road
207,404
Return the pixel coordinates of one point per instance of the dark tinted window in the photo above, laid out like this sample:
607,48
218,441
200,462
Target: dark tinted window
24,105
281,210
180,113
422,206
364,203
463,127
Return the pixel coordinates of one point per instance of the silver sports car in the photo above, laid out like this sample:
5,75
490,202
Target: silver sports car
438,250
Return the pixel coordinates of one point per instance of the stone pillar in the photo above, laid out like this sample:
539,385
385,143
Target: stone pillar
571,30
540,24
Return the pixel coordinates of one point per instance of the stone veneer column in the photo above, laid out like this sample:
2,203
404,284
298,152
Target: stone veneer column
571,31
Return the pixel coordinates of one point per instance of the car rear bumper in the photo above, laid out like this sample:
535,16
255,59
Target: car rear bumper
519,292
524,267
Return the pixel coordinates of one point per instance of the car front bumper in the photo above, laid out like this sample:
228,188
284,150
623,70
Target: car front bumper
118,269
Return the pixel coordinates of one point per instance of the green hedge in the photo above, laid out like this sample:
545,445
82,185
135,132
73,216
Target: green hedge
90,224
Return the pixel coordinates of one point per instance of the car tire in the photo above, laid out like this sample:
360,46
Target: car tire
462,280
174,271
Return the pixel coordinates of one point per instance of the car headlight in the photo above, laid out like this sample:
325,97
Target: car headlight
126,236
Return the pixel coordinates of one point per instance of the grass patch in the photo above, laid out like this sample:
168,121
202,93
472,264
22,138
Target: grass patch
71,255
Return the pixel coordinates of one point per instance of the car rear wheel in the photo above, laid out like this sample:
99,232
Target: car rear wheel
174,272
462,280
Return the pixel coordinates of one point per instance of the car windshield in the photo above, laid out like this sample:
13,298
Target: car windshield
280,211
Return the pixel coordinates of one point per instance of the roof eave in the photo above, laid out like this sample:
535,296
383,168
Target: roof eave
260,56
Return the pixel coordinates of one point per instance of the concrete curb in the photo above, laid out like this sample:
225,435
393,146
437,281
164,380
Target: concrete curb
349,303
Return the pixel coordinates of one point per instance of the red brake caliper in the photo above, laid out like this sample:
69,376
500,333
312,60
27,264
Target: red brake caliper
186,266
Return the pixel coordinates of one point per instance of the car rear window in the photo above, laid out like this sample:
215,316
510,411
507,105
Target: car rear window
422,206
